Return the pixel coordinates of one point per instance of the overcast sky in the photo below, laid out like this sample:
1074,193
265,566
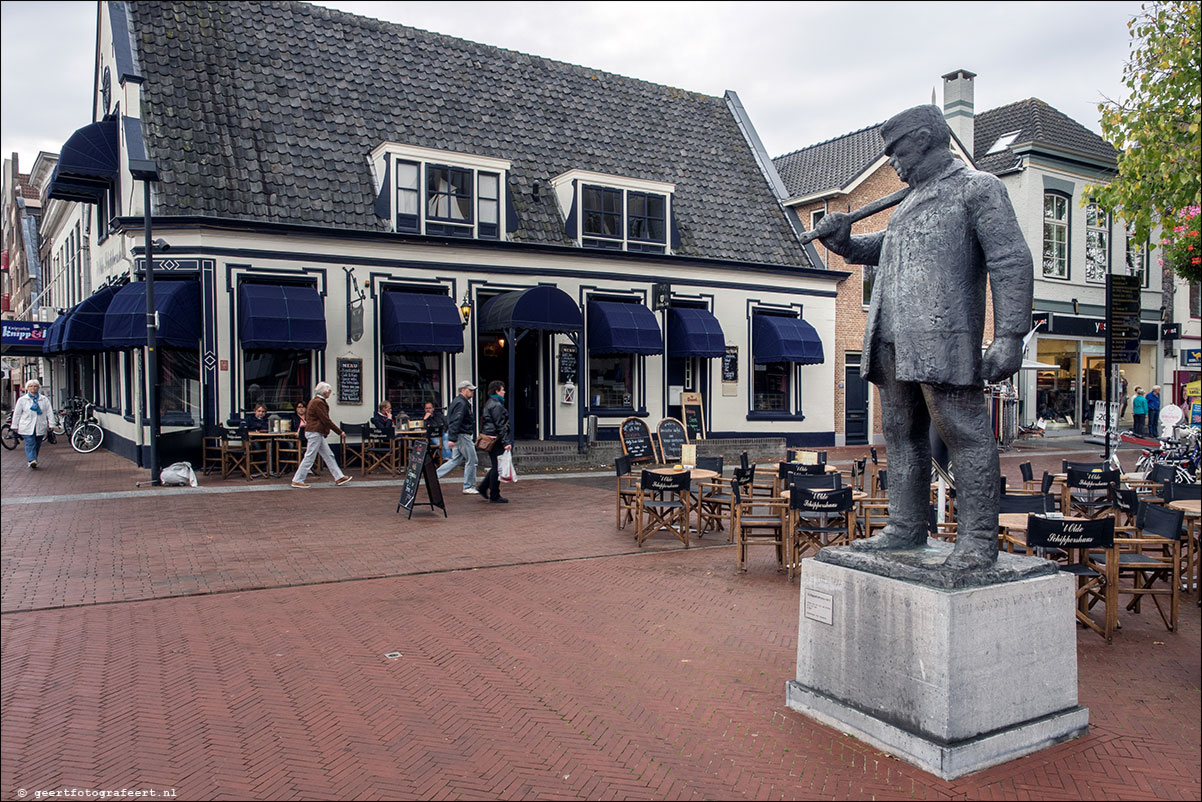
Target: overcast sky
804,71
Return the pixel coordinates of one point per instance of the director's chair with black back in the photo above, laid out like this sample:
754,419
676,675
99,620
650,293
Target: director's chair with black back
787,471
1152,560
211,448
627,491
715,510
758,521
663,505
1026,504
1089,493
354,446
874,510
818,518
379,450
1085,541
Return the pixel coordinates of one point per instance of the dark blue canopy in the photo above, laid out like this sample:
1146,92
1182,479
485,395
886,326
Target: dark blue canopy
87,164
54,337
694,332
418,323
618,328
785,339
83,331
544,307
281,317
178,305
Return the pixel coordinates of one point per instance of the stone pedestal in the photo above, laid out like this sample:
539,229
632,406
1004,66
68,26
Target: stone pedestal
952,681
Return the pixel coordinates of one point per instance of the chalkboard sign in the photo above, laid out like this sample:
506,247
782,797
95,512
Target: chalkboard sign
694,415
730,364
671,437
636,441
567,364
350,381
419,466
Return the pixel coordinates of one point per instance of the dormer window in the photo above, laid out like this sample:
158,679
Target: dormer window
614,213
440,193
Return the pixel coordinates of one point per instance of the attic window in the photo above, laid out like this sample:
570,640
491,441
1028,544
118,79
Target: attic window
616,213
1004,141
441,193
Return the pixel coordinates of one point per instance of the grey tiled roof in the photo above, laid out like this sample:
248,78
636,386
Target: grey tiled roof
1036,122
267,111
831,164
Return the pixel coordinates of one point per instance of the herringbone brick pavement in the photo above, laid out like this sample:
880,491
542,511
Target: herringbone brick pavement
542,657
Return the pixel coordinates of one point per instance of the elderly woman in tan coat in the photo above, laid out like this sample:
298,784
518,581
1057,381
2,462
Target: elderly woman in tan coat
317,426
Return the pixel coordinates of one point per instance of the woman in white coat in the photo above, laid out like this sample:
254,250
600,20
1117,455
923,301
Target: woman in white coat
31,419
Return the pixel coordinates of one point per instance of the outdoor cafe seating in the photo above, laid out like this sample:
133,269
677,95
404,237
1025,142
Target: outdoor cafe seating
818,518
627,491
758,521
1092,558
1151,561
663,505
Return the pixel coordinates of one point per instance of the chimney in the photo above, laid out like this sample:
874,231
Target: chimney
958,105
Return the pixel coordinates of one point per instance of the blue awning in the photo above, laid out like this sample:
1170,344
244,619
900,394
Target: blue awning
178,305
87,163
785,339
419,323
281,317
694,333
544,307
618,328
83,331
54,337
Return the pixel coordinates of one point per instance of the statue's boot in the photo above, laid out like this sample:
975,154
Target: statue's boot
973,553
892,538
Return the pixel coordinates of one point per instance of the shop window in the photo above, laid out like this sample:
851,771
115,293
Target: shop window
410,380
771,386
112,381
179,386
611,380
1097,244
1056,390
129,384
277,379
1055,236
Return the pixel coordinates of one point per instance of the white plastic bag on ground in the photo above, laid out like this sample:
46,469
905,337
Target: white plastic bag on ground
505,467
180,473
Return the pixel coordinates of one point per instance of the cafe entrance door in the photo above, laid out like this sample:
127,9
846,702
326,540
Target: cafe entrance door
527,384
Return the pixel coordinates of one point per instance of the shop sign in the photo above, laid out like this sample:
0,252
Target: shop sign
1191,357
1170,331
23,332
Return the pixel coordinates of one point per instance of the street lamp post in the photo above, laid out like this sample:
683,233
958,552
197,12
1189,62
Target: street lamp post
146,171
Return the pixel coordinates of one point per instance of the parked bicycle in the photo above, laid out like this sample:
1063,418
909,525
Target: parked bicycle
86,434
8,437
1182,453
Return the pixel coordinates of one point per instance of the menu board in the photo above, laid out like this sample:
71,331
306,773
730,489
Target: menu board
693,412
350,380
419,466
671,437
1123,317
636,441
730,364
567,364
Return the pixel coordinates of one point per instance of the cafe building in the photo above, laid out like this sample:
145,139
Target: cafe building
334,198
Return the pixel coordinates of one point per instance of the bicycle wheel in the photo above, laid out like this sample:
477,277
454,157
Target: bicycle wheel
87,437
8,438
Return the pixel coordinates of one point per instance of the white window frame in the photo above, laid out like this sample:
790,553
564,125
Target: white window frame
1097,239
386,156
1056,223
569,190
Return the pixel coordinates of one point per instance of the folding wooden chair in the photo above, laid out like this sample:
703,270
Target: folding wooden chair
1152,561
818,518
627,491
354,446
235,453
758,522
378,451
289,451
211,449
663,505
1097,579
786,471
714,503
1089,493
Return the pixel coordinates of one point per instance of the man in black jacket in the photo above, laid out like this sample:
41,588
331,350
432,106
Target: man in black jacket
461,434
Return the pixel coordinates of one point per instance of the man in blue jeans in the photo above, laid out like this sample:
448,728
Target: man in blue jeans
1154,411
461,434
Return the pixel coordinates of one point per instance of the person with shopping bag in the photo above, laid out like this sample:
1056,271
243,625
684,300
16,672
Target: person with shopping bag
31,419
495,428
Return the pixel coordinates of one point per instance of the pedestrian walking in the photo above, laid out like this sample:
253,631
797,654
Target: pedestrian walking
31,419
1139,410
1153,399
317,426
461,434
496,423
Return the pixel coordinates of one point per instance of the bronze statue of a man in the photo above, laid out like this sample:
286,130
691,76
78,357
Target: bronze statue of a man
926,321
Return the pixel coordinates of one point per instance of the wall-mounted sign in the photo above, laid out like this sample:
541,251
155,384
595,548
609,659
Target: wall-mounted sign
350,380
1191,357
730,364
1170,331
567,364
661,296
23,337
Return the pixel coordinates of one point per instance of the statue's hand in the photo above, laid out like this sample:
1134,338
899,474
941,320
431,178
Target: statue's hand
835,231
1002,359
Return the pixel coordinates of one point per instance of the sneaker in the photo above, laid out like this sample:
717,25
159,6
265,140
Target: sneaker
499,500
343,480
470,491
33,464
301,485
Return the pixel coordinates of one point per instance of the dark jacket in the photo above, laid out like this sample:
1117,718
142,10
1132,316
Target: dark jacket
384,424
256,424
435,424
317,418
496,421
461,419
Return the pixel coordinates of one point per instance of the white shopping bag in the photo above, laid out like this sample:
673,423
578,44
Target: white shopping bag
179,473
505,467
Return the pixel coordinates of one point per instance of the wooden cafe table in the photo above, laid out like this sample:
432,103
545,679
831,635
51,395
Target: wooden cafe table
1193,511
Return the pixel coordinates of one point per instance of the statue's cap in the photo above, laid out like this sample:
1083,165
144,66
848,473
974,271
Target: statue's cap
909,120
